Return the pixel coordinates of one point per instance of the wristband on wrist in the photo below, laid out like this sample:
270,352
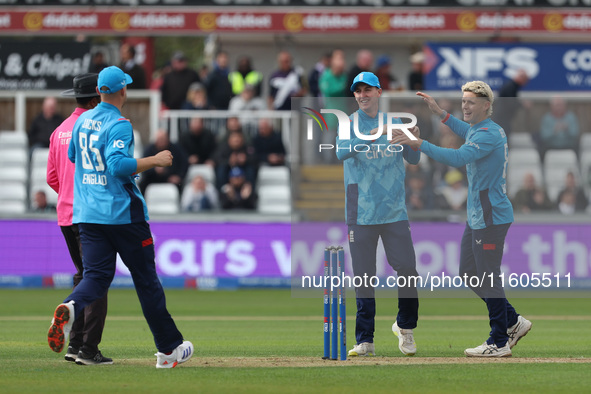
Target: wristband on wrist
443,115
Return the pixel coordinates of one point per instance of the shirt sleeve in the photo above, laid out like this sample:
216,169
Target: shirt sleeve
52,177
457,126
72,146
410,155
119,142
481,145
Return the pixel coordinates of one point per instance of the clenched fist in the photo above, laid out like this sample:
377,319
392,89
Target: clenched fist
163,158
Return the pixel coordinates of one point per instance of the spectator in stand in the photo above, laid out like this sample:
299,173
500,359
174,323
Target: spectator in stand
40,203
196,101
567,203
200,195
232,125
173,174
97,62
198,143
244,104
219,89
177,81
203,72
196,97
129,66
44,124
387,80
286,82
455,192
576,193
363,62
415,77
507,103
247,101
559,128
245,75
531,197
268,145
333,86
235,152
158,76
314,76
237,193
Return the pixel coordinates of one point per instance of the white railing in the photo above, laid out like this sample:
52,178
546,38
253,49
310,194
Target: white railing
20,104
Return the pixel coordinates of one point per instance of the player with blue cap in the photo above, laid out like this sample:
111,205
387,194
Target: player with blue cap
113,219
367,78
376,208
112,79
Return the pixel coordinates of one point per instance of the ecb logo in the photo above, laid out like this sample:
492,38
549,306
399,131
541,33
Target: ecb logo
393,122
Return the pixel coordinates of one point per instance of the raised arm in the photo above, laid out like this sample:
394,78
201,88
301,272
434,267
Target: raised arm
457,126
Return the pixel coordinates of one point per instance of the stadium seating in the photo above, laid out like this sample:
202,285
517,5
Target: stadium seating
13,157
557,163
521,141
273,176
274,199
138,151
521,162
586,171
16,174
13,139
206,171
585,143
38,176
39,158
162,198
13,197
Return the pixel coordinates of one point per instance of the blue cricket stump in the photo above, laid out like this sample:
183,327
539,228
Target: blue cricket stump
335,313
342,303
326,303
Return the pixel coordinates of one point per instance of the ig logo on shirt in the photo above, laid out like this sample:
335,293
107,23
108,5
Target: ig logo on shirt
118,144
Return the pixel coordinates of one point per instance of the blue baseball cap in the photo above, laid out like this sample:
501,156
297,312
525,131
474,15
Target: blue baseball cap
367,78
112,79
236,172
382,61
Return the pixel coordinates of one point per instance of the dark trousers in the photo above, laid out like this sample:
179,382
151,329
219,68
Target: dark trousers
363,242
134,243
481,254
87,331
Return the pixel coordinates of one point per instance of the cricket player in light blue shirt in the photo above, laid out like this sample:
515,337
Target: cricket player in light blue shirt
375,208
490,213
112,217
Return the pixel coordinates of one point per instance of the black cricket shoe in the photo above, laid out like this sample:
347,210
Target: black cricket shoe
89,359
71,353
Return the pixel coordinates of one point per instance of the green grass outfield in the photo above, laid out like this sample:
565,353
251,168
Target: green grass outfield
259,341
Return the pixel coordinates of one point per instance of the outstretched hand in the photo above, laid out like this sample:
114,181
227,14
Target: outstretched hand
433,106
403,139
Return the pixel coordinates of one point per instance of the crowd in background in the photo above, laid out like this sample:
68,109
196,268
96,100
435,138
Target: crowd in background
238,148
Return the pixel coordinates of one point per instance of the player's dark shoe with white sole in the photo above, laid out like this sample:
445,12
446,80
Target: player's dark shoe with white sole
92,359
